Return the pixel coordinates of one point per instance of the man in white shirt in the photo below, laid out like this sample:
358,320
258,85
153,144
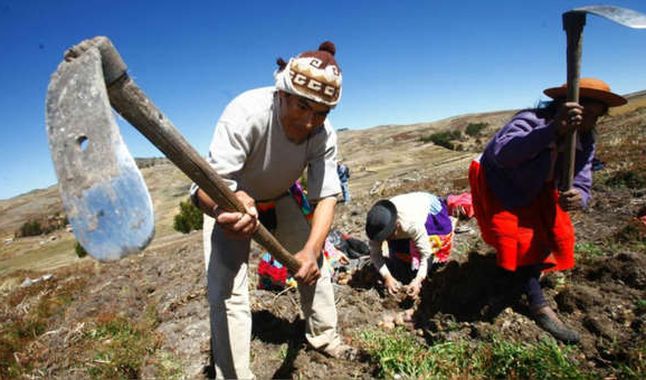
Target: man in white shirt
263,141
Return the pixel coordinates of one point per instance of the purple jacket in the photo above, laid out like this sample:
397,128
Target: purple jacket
517,160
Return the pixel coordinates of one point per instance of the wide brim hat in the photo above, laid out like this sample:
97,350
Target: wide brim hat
591,88
381,220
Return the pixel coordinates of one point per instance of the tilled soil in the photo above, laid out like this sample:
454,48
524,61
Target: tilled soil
603,297
461,300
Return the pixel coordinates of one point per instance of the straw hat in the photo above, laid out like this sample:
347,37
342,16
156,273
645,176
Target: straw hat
591,88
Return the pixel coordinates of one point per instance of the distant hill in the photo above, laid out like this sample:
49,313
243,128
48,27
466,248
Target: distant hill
147,315
379,157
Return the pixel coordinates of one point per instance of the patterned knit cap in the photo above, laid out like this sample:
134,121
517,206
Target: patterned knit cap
314,75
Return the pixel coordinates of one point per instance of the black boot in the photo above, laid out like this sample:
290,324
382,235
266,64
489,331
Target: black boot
546,318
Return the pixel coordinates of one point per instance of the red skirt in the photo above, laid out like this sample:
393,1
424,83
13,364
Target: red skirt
540,233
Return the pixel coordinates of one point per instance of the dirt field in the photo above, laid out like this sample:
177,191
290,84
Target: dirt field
146,316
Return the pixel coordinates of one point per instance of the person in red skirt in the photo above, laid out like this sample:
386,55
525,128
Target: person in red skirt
514,184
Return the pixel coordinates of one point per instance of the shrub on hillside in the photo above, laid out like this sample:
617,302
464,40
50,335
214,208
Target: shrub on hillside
30,228
443,138
474,129
189,218
42,225
80,251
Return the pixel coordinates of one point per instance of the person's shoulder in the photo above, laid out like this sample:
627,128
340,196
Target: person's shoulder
530,116
252,104
412,195
415,200
258,97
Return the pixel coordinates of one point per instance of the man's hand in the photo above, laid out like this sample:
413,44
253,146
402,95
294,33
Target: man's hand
568,118
571,200
309,272
392,285
237,224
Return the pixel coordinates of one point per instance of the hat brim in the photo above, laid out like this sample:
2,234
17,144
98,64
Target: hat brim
392,222
608,98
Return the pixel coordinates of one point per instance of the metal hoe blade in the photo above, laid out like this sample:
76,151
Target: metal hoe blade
573,23
623,16
103,192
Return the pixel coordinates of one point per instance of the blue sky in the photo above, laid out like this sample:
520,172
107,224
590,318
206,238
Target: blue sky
403,61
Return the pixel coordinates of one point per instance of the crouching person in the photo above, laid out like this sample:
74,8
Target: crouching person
418,232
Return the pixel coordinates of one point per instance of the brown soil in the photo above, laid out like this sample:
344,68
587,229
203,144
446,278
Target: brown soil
603,297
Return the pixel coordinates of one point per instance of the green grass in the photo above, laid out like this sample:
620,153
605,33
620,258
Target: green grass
168,366
398,354
640,305
119,346
38,257
588,250
110,345
18,331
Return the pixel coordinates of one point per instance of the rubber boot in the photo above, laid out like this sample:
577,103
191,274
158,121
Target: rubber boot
547,319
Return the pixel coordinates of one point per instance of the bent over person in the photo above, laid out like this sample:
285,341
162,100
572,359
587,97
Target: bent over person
418,232
263,141
514,186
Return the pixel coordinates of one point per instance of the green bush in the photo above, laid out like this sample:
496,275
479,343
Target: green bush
189,218
80,251
474,129
31,228
443,138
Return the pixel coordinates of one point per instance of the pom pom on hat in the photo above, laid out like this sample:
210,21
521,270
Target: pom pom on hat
328,46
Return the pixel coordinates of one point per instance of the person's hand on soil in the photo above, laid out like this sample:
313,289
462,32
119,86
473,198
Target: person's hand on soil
571,199
392,285
237,224
309,272
413,289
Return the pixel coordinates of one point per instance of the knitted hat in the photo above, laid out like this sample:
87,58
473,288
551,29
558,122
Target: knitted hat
591,88
381,220
314,75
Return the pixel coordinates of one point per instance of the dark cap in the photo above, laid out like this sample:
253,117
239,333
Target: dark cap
381,220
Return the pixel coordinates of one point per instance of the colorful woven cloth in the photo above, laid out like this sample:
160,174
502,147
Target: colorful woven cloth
272,275
439,228
461,204
406,251
297,192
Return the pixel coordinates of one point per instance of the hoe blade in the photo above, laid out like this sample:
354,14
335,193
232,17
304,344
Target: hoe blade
103,192
623,16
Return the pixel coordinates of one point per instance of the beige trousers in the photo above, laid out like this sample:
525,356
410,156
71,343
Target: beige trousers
226,260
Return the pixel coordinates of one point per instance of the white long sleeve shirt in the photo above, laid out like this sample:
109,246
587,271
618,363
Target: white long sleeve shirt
412,211
252,153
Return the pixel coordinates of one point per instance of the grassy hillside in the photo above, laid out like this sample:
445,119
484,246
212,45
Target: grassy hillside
146,316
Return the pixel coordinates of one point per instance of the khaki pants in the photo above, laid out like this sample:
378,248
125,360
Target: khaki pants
228,293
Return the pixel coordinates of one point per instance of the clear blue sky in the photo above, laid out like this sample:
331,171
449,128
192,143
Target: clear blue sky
403,61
